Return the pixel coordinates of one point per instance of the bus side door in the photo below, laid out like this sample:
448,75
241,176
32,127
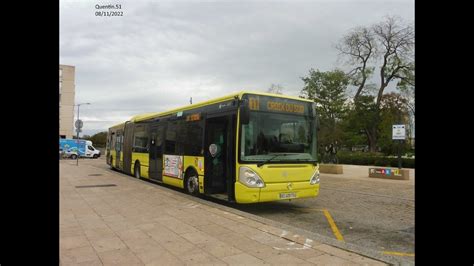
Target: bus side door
118,149
156,152
216,174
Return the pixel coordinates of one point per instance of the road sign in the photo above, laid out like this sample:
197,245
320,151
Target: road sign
79,124
398,132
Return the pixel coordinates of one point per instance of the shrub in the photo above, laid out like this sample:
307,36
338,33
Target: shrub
376,159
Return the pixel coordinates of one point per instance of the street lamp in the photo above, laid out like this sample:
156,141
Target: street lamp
78,128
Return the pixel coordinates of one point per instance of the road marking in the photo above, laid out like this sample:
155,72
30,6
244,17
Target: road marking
398,253
331,222
333,226
192,205
291,244
306,245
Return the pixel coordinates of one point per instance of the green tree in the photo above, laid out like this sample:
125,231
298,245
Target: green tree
327,90
393,111
362,116
406,86
99,139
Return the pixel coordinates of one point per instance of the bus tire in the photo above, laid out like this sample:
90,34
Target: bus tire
191,183
95,156
74,157
136,170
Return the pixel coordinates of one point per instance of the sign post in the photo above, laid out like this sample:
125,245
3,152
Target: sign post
399,133
78,125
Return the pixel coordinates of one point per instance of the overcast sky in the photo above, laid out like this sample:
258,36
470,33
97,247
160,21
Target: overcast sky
160,53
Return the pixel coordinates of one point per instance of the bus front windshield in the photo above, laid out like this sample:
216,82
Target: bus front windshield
268,135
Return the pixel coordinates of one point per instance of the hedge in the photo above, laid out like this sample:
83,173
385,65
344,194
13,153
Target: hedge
373,159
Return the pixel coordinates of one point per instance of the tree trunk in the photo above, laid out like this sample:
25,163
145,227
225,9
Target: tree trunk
359,90
380,94
372,139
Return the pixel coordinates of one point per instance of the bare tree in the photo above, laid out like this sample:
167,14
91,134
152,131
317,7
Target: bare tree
390,44
358,47
406,86
275,88
397,43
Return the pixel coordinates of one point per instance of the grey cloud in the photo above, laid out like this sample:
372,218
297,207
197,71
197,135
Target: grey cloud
161,53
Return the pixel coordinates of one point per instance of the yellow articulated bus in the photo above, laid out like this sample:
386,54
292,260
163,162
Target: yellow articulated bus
246,148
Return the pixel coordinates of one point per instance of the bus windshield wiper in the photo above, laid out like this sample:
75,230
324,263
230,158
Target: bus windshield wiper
268,160
313,161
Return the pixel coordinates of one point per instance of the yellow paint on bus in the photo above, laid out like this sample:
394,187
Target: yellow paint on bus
281,181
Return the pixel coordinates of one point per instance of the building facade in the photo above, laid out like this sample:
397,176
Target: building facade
66,100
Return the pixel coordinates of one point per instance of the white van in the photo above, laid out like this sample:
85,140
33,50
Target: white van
91,152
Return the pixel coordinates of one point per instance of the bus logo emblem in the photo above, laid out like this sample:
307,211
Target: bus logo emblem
290,186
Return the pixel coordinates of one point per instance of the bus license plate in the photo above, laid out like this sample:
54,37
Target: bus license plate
290,195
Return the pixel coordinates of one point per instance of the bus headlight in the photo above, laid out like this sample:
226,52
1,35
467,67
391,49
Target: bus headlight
249,178
315,178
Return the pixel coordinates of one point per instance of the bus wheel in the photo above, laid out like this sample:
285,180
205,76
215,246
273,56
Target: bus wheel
191,184
74,157
136,172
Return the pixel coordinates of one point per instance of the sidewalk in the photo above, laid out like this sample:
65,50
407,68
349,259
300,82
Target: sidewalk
126,221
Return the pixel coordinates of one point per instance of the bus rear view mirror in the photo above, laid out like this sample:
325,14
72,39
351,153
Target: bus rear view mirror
244,112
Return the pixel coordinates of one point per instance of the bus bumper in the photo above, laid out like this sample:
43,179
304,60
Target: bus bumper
275,192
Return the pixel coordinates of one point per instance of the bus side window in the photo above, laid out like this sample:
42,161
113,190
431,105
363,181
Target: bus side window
192,137
112,141
170,138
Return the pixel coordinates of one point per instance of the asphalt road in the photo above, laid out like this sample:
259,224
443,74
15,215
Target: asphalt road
375,214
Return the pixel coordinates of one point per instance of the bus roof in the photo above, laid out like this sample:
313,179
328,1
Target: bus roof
121,125
146,116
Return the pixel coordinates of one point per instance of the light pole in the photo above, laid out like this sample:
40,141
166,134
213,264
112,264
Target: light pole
78,128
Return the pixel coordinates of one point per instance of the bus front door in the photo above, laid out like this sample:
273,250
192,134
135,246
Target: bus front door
216,159
156,153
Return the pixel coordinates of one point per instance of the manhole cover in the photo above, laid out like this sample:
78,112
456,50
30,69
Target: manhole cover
104,185
95,174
